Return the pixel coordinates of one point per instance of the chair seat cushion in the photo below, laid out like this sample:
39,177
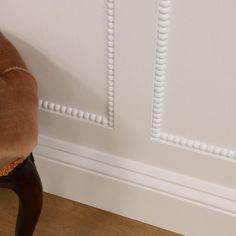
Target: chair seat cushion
18,117
18,108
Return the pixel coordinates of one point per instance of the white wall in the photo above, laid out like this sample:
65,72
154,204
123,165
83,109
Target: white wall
137,105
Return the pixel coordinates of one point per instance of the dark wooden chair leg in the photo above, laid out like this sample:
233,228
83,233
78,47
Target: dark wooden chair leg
26,183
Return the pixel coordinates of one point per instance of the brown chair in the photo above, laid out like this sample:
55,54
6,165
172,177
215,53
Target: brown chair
18,136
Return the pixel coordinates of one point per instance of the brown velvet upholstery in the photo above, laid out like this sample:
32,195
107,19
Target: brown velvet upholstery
18,106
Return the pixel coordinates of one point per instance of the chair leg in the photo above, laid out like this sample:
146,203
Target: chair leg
26,183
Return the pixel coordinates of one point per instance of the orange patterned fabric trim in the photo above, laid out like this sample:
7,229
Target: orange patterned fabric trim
10,167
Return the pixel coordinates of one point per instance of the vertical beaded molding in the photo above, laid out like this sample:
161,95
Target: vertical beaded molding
160,66
157,134
76,113
110,60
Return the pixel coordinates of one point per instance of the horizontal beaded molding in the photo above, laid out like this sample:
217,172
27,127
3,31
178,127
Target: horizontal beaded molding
158,134
76,113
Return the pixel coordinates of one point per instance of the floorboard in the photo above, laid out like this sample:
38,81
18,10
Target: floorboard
62,217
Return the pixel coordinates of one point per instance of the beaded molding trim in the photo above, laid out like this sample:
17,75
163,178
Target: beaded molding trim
110,76
159,87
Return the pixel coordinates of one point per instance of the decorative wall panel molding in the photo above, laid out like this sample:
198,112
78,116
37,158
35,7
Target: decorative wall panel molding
158,134
75,113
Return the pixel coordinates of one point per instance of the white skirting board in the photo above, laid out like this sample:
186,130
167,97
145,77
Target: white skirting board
136,190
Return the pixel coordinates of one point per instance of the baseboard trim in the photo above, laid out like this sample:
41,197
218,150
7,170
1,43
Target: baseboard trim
137,174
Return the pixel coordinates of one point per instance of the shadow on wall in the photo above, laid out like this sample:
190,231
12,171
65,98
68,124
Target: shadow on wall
56,84
54,87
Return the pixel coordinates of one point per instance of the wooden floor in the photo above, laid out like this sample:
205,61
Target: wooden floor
61,217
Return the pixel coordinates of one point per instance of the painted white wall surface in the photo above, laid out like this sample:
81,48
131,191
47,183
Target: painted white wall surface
137,105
